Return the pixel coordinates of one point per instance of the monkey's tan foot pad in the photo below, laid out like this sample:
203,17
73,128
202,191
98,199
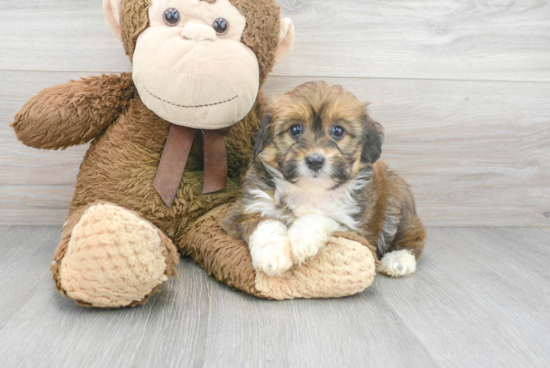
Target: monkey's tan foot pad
346,266
114,258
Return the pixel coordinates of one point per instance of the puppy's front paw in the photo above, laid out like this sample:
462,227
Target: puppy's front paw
270,248
308,235
398,263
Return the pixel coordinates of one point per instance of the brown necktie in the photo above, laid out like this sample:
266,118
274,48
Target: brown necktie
174,158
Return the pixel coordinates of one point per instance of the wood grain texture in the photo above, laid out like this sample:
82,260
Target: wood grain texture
34,204
476,154
447,39
486,291
479,299
462,89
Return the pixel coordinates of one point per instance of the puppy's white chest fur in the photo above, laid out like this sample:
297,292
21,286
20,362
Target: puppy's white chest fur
311,197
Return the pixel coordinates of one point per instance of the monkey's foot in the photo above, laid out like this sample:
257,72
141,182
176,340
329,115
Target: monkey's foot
344,267
114,259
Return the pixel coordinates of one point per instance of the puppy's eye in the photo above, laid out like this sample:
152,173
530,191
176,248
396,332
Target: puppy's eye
221,26
296,131
338,132
172,17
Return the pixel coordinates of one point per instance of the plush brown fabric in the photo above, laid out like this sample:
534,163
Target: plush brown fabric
262,31
73,113
134,19
121,164
122,161
128,140
225,257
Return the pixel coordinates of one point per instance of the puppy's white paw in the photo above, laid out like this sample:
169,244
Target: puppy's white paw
397,264
270,248
309,234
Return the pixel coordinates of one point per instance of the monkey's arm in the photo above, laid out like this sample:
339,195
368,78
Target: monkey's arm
73,113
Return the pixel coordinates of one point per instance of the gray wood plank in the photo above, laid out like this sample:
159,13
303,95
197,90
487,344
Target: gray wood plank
30,244
34,204
490,309
473,302
194,322
450,39
350,332
40,328
65,35
477,154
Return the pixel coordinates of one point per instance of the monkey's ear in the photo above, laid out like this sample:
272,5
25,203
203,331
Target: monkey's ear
286,39
111,9
372,141
262,137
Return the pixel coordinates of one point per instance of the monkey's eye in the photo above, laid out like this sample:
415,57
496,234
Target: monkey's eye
338,132
221,26
296,131
172,17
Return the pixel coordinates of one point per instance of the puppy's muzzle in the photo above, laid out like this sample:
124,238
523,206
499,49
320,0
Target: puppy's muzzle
315,162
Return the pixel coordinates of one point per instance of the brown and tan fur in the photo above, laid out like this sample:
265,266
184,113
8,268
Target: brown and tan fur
128,138
385,213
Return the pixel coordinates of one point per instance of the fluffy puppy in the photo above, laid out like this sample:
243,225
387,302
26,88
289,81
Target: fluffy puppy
315,171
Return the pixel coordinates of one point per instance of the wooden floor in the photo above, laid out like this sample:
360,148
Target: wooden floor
479,299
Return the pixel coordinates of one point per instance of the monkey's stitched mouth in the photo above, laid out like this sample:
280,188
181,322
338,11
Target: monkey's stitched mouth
191,107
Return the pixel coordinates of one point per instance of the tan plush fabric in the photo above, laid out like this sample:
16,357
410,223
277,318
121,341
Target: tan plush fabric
344,267
359,239
261,34
286,39
220,72
117,219
113,258
227,87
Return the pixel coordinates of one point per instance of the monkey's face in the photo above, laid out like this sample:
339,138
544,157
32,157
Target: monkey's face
190,66
319,135
200,63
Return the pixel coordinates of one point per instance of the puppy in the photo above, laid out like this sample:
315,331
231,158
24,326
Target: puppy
314,172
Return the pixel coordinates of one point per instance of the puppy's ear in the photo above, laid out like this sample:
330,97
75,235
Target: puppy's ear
262,138
372,141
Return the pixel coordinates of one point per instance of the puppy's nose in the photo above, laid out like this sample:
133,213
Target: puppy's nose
315,161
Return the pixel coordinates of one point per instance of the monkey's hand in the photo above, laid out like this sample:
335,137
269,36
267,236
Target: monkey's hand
309,234
73,113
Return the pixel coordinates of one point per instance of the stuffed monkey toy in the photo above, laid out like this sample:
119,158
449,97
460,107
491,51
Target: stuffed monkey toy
169,144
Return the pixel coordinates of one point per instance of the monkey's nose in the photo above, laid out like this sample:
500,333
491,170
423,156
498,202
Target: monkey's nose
198,32
315,161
